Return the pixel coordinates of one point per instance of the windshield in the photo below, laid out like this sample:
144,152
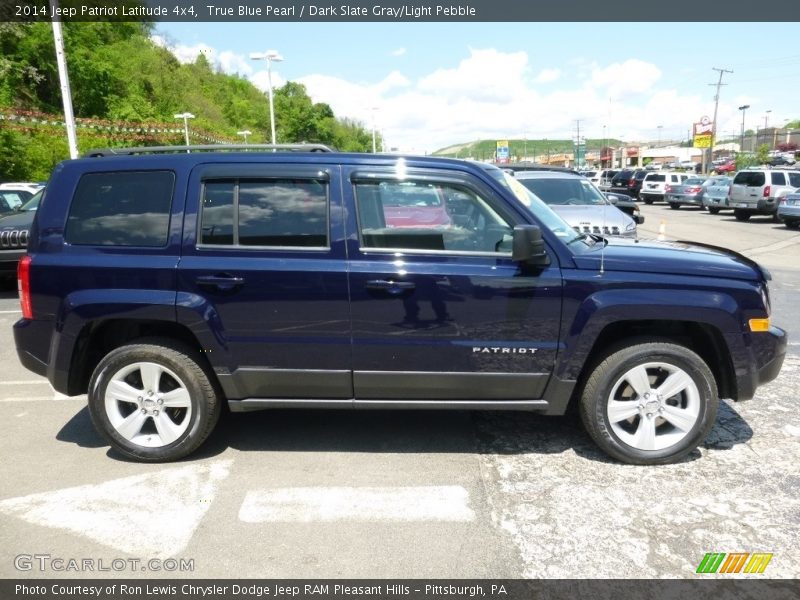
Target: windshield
542,212
33,203
567,191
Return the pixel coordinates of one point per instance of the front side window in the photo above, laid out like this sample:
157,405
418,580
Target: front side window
121,208
265,212
426,215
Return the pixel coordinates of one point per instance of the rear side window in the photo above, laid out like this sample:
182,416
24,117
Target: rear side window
794,179
750,178
778,179
265,212
121,208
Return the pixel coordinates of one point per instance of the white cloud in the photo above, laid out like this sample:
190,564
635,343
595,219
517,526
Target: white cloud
547,75
226,61
260,79
398,52
633,76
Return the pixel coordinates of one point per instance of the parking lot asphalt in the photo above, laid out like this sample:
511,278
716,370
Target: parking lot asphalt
410,494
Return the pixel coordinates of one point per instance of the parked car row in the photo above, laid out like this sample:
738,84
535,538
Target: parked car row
756,191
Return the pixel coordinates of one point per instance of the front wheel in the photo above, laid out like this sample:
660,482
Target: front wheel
153,401
649,403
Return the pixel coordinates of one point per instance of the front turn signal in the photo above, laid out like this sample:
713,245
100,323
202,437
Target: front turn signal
759,324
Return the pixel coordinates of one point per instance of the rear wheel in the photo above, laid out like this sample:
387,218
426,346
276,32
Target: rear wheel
649,403
713,210
648,200
741,215
674,205
153,401
792,224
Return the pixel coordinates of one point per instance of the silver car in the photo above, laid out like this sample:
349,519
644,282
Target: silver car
789,209
715,193
689,191
579,203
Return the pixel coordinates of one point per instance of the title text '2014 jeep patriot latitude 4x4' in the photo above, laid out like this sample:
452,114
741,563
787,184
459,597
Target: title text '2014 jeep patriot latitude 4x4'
164,284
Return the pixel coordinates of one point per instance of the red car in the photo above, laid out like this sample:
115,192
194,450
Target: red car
729,166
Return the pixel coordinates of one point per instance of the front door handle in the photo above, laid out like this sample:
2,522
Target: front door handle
394,288
220,281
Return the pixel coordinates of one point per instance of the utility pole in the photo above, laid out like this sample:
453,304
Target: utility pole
578,144
719,84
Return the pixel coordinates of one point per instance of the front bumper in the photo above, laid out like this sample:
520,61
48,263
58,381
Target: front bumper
9,260
767,351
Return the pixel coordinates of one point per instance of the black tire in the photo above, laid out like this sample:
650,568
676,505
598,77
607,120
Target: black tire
792,224
714,210
608,375
674,205
173,358
741,215
648,200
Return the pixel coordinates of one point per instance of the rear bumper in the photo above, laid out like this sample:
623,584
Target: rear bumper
693,200
651,195
763,205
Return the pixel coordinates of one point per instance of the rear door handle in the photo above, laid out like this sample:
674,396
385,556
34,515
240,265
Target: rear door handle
221,281
394,288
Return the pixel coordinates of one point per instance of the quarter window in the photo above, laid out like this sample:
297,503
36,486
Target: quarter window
424,215
265,212
126,208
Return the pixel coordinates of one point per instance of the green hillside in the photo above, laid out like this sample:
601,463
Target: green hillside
485,149
126,91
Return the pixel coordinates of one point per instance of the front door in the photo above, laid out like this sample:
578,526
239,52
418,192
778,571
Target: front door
439,309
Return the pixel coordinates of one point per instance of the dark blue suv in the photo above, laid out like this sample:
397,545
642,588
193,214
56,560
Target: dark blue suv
165,283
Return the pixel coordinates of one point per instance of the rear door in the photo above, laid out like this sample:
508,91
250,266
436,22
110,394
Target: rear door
440,311
263,278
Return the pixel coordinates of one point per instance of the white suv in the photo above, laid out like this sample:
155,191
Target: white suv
654,183
758,191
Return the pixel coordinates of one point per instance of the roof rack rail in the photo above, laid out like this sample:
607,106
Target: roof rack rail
97,152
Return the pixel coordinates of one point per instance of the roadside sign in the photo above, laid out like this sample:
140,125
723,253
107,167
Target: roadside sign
502,153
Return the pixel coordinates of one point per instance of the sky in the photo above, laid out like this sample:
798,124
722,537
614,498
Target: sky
430,85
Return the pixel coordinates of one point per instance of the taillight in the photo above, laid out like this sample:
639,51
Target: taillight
767,190
667,188
783,201
24,286
693,190
632,182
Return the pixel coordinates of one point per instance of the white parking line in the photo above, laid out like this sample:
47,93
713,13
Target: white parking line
327,504
9,312
26,382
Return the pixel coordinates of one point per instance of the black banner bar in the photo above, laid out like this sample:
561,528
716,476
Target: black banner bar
405,589
402,11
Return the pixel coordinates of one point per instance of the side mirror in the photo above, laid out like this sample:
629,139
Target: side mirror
528,246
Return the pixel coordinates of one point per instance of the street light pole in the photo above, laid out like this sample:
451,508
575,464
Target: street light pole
742,108
766,121
374,147
270,56
660,127
185,116
63,76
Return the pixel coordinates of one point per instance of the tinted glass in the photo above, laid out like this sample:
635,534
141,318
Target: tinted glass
283,212
655,178
750,178
125,208
216,224
271,212
778,179
794,179
423,215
